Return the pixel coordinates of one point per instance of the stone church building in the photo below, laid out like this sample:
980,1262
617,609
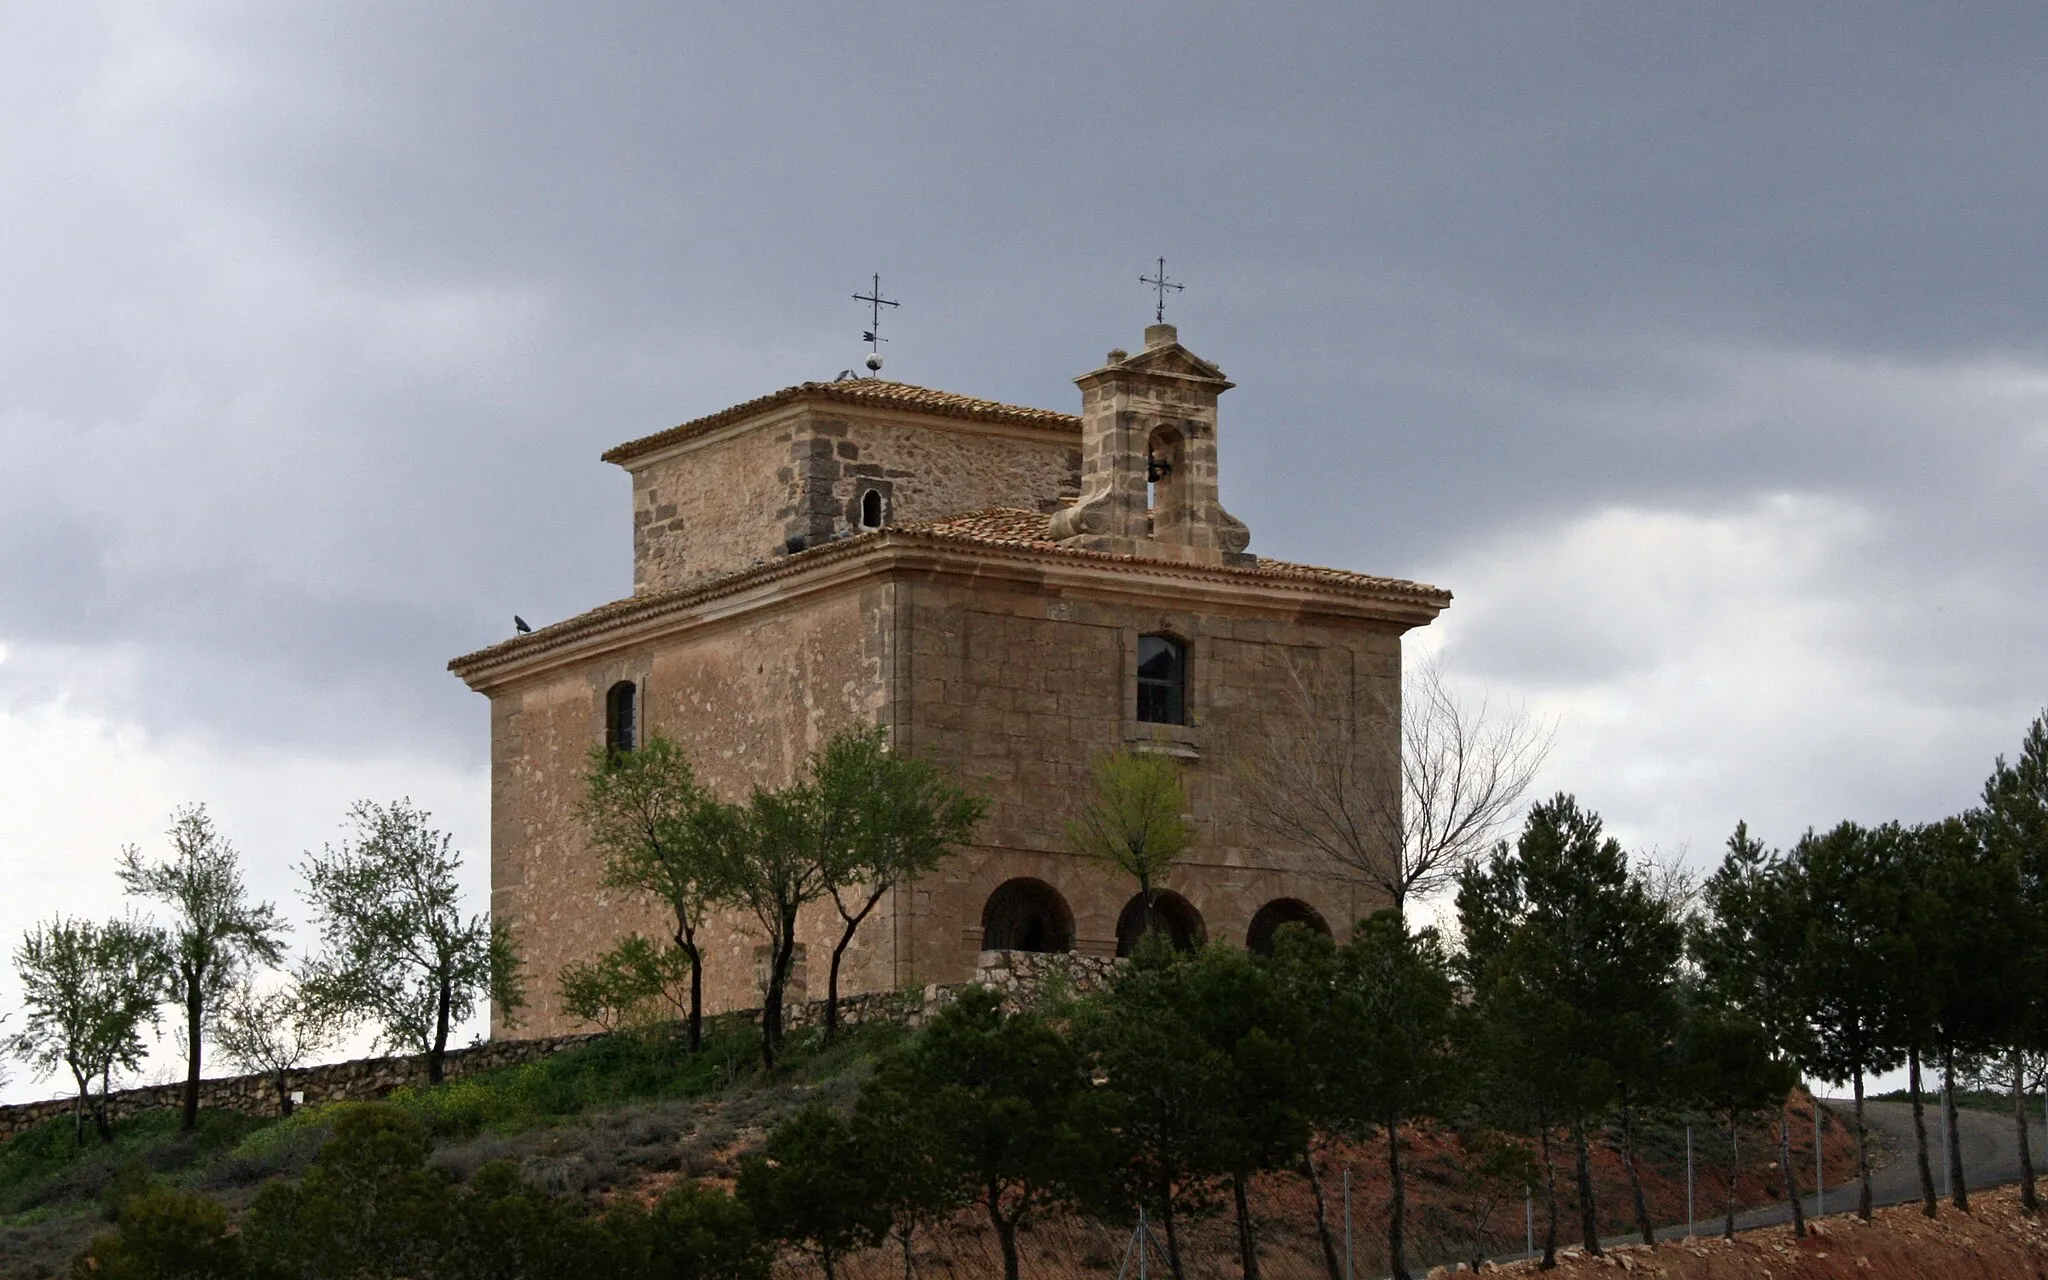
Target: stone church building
1011,591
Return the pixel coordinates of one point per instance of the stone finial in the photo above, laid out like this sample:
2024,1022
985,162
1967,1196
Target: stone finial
1160,335
1117,355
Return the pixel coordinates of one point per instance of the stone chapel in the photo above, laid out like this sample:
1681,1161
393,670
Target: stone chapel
1012,591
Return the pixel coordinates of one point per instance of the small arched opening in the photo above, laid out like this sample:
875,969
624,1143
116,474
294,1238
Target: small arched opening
1281,911
621,717
1026,915
871,509
1172,915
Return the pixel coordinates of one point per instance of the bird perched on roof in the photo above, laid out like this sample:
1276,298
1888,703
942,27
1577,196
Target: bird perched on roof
519,625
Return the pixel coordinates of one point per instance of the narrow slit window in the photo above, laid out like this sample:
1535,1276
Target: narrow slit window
621,717
871,509
1162,680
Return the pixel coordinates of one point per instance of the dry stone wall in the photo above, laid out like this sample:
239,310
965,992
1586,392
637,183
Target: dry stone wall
1023,978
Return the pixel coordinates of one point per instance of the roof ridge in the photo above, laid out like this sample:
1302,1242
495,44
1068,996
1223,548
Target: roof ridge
907,396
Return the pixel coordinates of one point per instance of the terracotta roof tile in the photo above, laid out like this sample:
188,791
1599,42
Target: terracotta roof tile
1002,527
862,391
1010,527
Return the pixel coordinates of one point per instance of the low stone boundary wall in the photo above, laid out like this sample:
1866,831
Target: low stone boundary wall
1023,977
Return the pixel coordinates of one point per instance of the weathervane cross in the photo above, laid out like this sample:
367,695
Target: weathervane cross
1161,284
873,297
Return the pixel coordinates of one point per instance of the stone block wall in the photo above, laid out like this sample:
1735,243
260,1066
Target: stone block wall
1022,977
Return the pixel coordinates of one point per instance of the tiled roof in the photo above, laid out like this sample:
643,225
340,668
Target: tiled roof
1010,527
999,527
863,391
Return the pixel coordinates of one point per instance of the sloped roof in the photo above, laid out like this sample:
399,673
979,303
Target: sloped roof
1012,527
1000,528
858,391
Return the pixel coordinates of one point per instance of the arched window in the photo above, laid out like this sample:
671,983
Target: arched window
1172,915
1026,915
1162,680
621,720
871,509
1281,911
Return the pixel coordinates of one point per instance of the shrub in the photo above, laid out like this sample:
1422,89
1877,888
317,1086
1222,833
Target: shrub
165,1234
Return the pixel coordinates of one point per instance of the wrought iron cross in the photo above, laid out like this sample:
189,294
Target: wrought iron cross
1161,284
873,297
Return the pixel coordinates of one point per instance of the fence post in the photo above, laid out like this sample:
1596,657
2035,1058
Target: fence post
1347,1224
1529,1217
1690,1216
1820,1180
1946,1189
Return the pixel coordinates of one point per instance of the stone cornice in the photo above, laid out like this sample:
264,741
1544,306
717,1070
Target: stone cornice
896,552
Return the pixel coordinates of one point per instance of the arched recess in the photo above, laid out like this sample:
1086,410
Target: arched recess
1171,914
621,717
1026,915
1281,911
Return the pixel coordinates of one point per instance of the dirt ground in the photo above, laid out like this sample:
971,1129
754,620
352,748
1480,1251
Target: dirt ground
1993,1241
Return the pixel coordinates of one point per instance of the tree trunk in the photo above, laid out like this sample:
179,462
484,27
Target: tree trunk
778,980
1635,1177
195,1010
1247,1233
102,1115
1961,1199
1331,1265
1006,1233
1791,1175
1734,1175
439,1052
2029,1200
1862,1152
1589,1212
1397,1215
686,939
1549,1262
1172,1229
1920,1132
826,1261
832,982
909,1268
284,1093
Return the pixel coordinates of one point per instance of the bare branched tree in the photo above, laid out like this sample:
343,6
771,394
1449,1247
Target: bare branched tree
1311,783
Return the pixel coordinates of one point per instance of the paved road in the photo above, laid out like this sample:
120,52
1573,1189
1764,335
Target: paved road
1991,1157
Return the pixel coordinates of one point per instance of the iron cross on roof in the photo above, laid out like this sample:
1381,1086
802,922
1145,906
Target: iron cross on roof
872,335
1162,284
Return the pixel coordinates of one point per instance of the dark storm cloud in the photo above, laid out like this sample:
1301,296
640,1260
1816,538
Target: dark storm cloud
318,321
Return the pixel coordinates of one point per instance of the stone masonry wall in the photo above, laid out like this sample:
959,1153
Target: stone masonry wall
736,500
1022,977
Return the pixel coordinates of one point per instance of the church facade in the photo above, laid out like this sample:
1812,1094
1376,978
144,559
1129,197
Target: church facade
1011,591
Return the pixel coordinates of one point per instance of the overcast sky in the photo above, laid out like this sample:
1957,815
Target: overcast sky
1701,351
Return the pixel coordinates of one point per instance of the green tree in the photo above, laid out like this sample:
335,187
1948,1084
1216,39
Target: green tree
273,1033
396,946
1843,891
216,936
620,985
888,819
87,990
165,1234
1571,960
1405,1068
811,1188
1732,1071
2013,823
368,1209
781,866
1751,948
692,1232
999,1093
502,1228
1202,1087
664,835
901,1144
1134,820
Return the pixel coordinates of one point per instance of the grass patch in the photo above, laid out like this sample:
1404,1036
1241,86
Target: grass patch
53,1164
626,1067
